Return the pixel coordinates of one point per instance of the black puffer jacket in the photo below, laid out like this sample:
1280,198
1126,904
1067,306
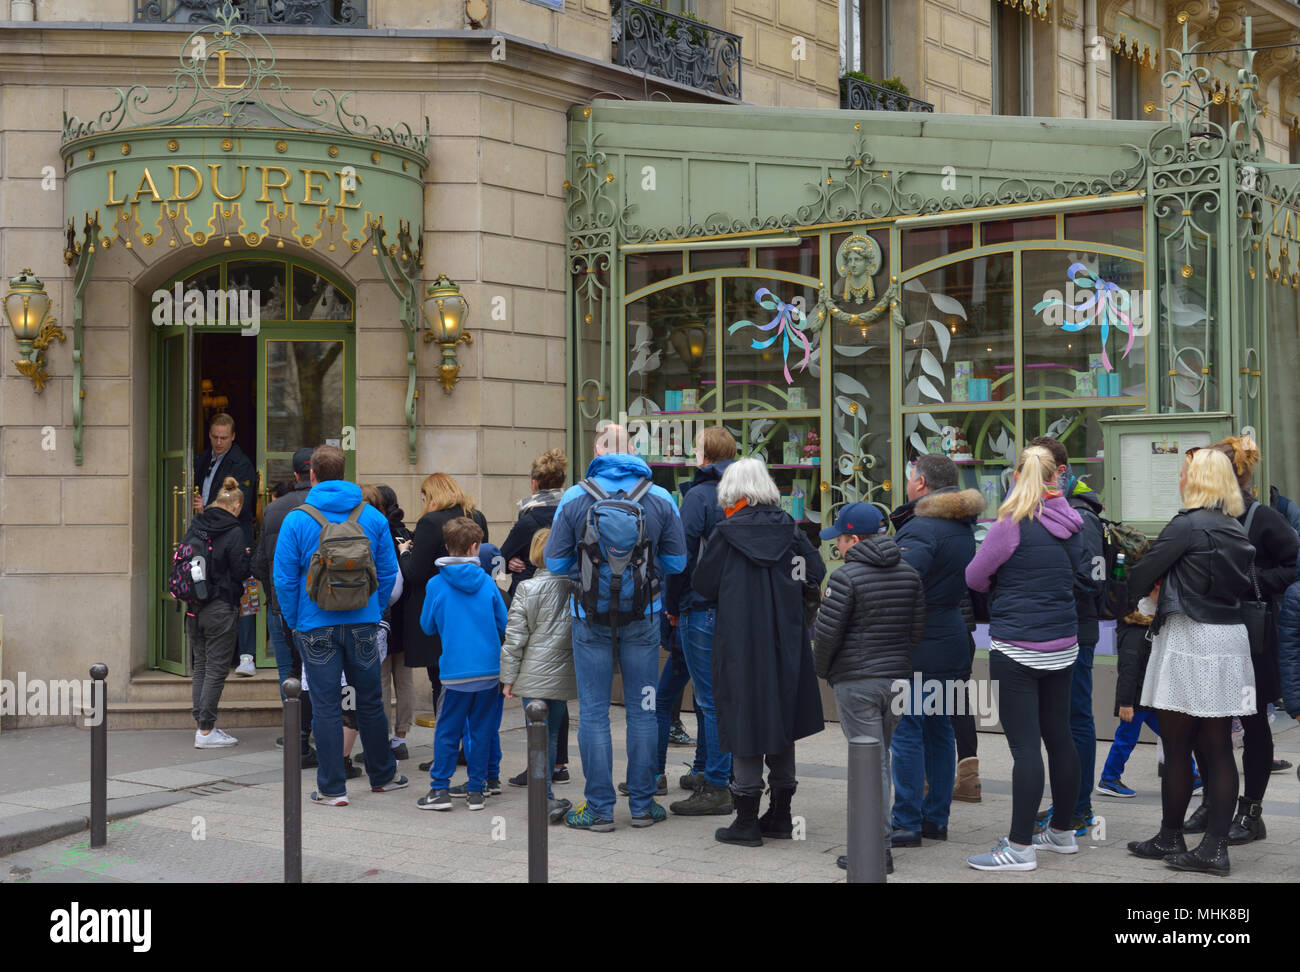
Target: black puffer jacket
228,565
872,615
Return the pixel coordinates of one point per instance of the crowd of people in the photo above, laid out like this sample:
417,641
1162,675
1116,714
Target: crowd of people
610,574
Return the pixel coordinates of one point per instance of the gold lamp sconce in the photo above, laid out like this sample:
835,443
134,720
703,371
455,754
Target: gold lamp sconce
445,312
27,307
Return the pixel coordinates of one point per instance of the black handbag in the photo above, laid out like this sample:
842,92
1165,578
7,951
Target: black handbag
1255,614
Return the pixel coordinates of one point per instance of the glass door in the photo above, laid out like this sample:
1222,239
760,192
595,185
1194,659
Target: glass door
174,396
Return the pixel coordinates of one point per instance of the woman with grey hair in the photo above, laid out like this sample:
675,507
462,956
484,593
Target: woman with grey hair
755,566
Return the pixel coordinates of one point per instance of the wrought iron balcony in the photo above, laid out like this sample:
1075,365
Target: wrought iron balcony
859,95
687,51
300,13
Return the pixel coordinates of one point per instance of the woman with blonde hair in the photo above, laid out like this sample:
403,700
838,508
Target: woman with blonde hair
1199,674
1276,546
1030,563
217,536
444,501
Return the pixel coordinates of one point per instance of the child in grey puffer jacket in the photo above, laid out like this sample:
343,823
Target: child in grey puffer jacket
537,654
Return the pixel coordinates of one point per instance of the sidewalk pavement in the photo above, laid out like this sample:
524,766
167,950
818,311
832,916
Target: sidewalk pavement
213,816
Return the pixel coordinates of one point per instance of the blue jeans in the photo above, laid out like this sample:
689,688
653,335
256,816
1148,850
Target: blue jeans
329,653
699,656
285,666
1082,727
555,709
593,662
468,716
673,679
923,747
1126,737
493,768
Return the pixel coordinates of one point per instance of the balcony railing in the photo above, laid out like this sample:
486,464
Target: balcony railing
859,95
687,51
292,13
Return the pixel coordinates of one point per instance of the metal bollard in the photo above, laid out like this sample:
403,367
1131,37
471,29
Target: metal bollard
536,712
292,689
866,808
99,756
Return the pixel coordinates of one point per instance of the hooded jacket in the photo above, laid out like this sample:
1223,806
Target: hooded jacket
764,684
936,535
700,514
537,655
612,472
872,615
1288,639
272,519
1087,601
464,608
300,536
419,564
228,565
536,512
1031,569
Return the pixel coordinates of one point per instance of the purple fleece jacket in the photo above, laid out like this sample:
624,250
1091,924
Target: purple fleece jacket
1060,520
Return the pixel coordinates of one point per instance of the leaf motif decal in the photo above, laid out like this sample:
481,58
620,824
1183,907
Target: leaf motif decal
943,336
909,393
930,364
850,385
917,443
853,350
909,359
909,423
848,444
913,331
928,389
928,421
948,305
915,286
846,404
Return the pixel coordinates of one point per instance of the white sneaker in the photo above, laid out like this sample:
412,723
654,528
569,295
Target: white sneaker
1050,840
246,666
225,735
216,739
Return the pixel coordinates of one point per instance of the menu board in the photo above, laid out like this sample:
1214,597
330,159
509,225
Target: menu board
1150,464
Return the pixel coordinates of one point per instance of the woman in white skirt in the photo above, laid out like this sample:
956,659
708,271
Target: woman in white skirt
1199,675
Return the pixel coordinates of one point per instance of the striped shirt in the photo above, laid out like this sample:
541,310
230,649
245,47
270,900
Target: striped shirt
1045,660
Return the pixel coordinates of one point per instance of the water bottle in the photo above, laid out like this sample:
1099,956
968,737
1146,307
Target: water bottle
1120,572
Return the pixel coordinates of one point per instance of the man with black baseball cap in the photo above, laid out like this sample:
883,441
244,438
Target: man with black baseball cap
263,558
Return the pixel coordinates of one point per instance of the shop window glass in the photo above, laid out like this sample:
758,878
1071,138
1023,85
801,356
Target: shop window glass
719,259
1282,404
982,444
1189,369
316,299
1084,323
1079,430
265,279
1114,227
644,269
801,258
959,341
1016,230
671,340
771,358
204,280
923,245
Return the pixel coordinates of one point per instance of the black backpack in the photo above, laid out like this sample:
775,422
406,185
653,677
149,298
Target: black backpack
1119,538
190,579
615,557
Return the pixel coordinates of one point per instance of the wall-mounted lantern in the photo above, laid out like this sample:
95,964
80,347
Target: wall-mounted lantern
445,311
690,341
27,307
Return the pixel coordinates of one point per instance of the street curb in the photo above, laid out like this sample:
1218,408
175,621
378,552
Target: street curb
27,830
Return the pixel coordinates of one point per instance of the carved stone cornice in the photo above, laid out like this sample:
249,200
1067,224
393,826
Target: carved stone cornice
1107,12
1230,25
1199,14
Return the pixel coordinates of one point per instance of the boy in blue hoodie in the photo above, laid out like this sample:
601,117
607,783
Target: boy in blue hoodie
464,607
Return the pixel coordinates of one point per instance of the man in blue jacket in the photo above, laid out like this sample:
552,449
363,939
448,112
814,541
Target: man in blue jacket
336,642
714,452
936,535
613,470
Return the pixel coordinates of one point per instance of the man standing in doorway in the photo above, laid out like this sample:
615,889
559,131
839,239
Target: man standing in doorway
211,466
286,659
337,642
614,471
936,535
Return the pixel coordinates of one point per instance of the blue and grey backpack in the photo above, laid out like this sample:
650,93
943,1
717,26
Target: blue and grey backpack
614,557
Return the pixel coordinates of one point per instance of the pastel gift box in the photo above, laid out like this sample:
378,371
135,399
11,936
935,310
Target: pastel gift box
1096,363
1109,385
962,369
787,504
981,389
960,390
690,400
798,399
796,504
791,451
672,400
1085,384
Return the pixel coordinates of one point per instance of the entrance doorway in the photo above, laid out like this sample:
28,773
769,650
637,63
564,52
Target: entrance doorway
285,372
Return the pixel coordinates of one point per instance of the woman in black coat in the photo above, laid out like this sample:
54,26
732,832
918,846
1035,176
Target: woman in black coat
755,567
536,512
444,501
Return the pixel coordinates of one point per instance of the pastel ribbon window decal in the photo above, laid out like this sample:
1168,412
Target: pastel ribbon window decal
1107,306
787,324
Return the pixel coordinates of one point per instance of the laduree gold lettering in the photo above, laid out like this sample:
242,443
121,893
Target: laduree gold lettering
214,167
344,190
267,185
112,174
221,75
146,180
309,187
176,182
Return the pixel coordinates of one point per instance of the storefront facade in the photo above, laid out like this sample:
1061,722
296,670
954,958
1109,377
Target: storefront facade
846,291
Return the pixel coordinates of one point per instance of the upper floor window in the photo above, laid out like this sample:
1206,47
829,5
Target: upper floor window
865,37
292,13
1125,96
1295,141
1013,61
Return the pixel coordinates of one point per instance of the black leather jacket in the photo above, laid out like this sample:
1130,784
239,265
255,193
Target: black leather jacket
1204,558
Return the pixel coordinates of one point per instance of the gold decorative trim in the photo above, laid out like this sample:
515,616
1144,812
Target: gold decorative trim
281,146
173,145
227,144
374,157
126,148
333,151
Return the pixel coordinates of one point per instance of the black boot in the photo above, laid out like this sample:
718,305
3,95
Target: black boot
1195,824
1164,843
1249,823
744,830
1211,857
842,862
776,822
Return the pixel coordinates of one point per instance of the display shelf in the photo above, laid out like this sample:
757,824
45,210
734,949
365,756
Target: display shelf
980,462
794,465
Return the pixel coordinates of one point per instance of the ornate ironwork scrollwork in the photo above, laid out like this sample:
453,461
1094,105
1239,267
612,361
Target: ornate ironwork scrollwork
677,48
859,95
312,13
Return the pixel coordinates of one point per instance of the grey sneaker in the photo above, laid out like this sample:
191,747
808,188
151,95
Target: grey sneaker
1004,857
1058,843
557,809
707,800
474,800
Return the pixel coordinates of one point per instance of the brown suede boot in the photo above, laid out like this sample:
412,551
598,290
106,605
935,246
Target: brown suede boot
967,787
